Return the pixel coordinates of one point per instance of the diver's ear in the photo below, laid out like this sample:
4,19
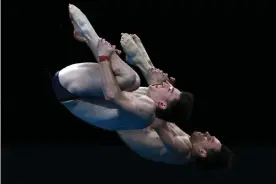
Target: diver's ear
162,104
203,153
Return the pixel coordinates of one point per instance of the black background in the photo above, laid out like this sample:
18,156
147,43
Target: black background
221,52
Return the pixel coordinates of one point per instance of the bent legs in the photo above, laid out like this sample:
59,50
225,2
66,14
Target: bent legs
137,55
85,78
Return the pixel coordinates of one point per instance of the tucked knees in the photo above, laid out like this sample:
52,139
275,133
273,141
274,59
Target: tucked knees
134,82
86,79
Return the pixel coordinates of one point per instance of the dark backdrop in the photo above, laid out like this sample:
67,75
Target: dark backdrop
221,52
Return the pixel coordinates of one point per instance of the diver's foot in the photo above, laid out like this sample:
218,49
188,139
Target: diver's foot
78,34
133,54
82,26
142,49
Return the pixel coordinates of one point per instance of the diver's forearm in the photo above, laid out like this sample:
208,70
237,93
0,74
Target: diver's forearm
111,88
168,136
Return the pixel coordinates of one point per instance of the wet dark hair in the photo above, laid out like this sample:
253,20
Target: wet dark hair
222,159
177,110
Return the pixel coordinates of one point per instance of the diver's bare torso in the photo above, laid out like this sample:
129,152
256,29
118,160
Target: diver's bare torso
105,114
148,144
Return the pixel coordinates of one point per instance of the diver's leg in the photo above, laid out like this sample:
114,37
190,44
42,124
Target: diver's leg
141,47
127,78
137,55
134,55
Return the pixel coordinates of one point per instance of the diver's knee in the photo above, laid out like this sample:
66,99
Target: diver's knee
71,78
134,82
137,81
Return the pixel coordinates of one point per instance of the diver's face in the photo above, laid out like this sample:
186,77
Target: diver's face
202,142
163,93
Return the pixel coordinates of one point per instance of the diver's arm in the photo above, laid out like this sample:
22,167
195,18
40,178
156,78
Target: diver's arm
173,139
